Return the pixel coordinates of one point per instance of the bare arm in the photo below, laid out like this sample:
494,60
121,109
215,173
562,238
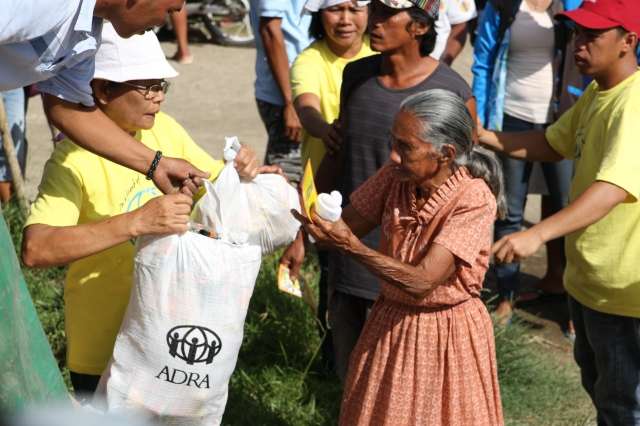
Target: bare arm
273,41
531,145
455,43
93,130
419,280
591,206
308,108
45,245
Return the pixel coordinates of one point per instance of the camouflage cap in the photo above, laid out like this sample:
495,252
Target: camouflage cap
429,6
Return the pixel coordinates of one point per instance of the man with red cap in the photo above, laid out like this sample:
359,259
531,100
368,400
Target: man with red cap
602,221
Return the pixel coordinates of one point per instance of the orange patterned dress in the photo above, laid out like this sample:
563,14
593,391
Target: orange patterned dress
428,361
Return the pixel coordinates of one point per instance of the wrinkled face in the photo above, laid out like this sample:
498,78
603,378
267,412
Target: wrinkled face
388,27
345,23
595,50
136,16
417,159
128,106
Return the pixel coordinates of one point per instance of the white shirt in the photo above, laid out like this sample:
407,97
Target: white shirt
529,87
52,42
452,12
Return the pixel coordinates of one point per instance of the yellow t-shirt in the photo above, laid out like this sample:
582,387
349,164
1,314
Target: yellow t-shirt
318,70
601,132
80,187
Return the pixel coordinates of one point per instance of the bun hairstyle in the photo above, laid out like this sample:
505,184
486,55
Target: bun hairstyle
446,120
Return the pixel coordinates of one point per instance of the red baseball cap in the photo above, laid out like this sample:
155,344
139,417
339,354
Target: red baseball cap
604,14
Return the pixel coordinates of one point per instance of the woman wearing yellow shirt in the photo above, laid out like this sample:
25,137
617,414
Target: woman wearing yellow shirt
339,27
89,209
316,76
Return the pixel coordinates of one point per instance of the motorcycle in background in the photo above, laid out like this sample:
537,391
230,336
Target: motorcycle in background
224,22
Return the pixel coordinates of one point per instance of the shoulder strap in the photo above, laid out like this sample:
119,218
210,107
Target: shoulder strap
507,10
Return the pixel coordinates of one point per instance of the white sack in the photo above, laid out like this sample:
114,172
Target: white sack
179,341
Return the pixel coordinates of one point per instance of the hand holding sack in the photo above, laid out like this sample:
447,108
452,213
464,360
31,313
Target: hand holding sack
179,341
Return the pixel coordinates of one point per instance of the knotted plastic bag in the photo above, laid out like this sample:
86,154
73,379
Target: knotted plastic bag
179,341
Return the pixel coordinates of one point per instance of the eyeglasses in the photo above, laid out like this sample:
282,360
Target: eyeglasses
149,91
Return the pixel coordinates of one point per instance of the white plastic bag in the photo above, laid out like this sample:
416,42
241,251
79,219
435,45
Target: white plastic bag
271,199
180,337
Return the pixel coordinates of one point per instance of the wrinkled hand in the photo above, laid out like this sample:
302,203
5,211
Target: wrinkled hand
332,139
517,246
168,214
334,234
246,163
292,125
174,174
293,256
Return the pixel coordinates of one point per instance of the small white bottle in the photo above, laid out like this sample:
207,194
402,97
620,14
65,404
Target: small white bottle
328,207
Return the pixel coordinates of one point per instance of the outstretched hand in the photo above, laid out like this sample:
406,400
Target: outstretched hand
515,247
333,138
334,234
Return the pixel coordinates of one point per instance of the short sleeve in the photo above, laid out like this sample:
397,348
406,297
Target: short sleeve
561,135
459,11
621,160
305,76
272,8
61,192
468,229
370,198
72,84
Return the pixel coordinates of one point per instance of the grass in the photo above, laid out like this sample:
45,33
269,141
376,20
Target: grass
279,379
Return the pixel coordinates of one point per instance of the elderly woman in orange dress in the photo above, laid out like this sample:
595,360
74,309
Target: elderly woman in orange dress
426,355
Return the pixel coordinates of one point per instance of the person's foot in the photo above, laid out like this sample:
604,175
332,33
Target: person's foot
184,59
503,312
571,332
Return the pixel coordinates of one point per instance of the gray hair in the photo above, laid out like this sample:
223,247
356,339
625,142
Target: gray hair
445,120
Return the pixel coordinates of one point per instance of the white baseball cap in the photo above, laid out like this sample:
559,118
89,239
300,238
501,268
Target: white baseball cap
138,57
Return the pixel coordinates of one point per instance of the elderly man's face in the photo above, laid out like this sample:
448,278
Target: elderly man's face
131,17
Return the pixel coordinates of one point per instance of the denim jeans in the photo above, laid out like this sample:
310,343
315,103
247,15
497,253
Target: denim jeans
14,107
607,350
557,176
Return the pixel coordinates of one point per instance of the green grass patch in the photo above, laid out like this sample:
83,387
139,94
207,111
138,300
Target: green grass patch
538,384
279,378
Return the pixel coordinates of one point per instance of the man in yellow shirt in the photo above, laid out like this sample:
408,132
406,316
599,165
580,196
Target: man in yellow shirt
602,220
89,209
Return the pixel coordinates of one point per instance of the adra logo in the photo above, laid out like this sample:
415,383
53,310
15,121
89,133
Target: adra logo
192,344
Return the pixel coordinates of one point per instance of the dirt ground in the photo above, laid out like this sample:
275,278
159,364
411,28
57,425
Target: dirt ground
213,98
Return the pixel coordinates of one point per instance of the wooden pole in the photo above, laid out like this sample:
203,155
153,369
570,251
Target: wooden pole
14,166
